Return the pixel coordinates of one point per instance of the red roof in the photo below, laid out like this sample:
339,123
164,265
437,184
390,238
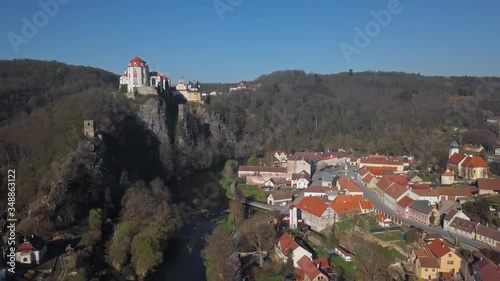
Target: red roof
405,202
346,204
447,173
379,171
318,189
456,158
438,248
382,218
455,191
287,242
309,269
26,247
420,186
368,178
475,162
426,192
402,180
137,62
313,206
321,262
384,183
396,190
292,206
488,184
347,184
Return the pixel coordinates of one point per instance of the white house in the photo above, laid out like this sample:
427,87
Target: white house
138,76
280,198
452,214
383,221
344,253
300,181
31,251
287,244
463,227
275,182
432,195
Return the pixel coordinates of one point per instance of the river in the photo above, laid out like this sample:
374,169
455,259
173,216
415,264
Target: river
182,259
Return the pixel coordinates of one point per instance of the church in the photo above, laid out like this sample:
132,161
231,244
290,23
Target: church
139,77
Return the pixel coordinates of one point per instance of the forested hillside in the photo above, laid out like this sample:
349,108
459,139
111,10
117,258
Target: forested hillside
393,113
29,84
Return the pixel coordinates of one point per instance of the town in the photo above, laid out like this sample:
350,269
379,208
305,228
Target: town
315,192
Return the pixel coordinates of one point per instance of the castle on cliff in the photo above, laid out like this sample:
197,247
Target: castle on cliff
138,76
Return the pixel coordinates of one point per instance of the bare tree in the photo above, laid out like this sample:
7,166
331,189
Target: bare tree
260,235
370,264
237,211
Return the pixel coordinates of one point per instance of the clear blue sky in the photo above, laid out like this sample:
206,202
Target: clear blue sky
187,37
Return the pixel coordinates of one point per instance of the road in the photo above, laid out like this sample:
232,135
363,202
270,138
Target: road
370,194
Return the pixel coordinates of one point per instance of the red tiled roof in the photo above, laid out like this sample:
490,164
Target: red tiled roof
447,173
438,248
363,171
456,158
368,178
262,169
287,242
428,262
420,186
405,201
309,269
349,185
419,253
317,189
379,171
395,191
488,232
137,62
464,225
26,247
382,218
346,204
455,191
433,192
488,184
313,206
321,262
402,180
384,183
489,272
475,162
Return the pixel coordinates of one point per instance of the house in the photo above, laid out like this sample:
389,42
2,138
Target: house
454,163
447,177
31,251
464,227
316,213
488,235
402,207
324,267
310,271
281,156
327,179
296,165
383,221
431,195
260,174
275,182
472,148
381,161
300,180
344,253
423,211
484,269
488,186
380,171
452,214
383,184
453,193
287,245
280,198
393,194
317,190
449,262
369,181
416,179
348,187
427,268
319,214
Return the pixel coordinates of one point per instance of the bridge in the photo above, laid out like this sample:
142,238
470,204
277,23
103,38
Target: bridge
256,204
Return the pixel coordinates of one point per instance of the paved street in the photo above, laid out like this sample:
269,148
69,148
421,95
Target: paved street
371,195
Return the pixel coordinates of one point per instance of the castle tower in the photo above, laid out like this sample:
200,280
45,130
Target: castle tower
293,217
89,128
138,74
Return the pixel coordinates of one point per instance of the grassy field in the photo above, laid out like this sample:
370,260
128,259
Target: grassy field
227,223
391,255
389,236
341,265
252,192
